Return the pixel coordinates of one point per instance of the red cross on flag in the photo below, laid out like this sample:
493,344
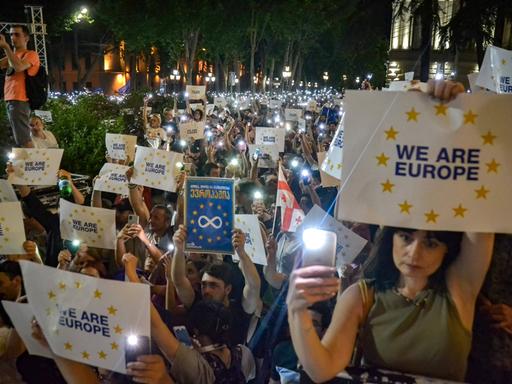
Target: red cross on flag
291,214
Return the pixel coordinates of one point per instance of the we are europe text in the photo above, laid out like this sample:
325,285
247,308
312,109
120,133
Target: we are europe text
449,164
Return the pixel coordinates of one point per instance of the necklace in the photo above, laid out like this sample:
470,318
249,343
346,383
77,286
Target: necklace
420,299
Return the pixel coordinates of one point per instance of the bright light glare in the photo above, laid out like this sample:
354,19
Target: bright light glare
288,126
170,247
186,95
258,195
314,238
295,163
84,10
305,173
234,162
179,164
132,340
75,243
183,143
10,155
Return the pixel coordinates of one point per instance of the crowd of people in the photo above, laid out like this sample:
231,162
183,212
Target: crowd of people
415,301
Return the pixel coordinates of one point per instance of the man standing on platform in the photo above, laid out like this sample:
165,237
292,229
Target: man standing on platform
20,63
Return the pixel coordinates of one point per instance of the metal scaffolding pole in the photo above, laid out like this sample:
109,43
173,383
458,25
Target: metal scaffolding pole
37,29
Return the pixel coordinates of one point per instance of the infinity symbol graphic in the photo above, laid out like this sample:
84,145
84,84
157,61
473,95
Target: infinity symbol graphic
215,222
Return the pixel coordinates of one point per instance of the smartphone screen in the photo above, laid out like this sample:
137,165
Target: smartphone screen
136,346
182,335
319,247
133,219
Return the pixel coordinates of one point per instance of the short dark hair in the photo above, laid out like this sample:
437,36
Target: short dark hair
212,319
24,28
10,268
164,208
246,186
386,274
208,168
221,271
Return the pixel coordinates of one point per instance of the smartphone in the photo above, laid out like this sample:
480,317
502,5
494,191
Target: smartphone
135,346
72,246
319,247
182,335
133,219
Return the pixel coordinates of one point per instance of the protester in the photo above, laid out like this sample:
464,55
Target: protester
19,62
41,137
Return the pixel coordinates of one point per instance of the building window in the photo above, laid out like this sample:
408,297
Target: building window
401,31
445,14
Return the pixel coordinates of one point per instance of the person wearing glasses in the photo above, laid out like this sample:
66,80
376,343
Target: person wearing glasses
18,61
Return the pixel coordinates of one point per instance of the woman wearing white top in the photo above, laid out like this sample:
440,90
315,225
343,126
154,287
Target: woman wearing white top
40,136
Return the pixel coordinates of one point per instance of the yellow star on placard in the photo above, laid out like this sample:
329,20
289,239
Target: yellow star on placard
78,284
503,61
441,109
338,166
201,237
114,346
391,134
412,115
62,285
51,295
481,193
194,230
192,221
194,212
97,294
209,240
492,166
488,138
459,211
102,355
112,310
405,207
470,117
201,206
382,159
85,355
387,186
210,204
118,329
68,346
431,217
48,311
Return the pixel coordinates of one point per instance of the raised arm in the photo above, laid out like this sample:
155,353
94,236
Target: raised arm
78,198
466,274
182,285
322,359
137,202
274,278
251,291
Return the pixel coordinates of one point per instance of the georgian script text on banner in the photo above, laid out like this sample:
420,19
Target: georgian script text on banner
84,318
95,227
35,166
430,165
209,214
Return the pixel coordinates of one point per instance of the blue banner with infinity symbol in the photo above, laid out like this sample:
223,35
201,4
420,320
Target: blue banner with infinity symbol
209,214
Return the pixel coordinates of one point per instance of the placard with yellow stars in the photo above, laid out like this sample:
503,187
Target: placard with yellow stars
84,318
254,247
326,178
209,214
156,168
496,71
7,193
331,164
12,231
95,227
412,161
120,147
112,178
35,166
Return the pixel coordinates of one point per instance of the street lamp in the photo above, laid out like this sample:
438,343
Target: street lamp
286,74
325,76
175,78
210,78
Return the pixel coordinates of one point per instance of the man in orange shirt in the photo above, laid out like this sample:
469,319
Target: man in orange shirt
19,62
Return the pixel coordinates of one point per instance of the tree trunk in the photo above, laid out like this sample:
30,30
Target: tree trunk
191,41
498,30
133,72
426,41
479,42
77,57
271,74
298,74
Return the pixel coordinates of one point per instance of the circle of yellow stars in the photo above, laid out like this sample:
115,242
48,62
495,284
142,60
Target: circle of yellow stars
431,216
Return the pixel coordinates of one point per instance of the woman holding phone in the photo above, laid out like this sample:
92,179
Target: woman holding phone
414,315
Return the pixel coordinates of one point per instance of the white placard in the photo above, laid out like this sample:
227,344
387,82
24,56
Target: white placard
12,231
209,109
349,244
220,102
428,165
86,319
332,163
196,92
35,166
271,136
21,316
192,130
156,168
112,178
409,76
275,104
301,125
254,247
46,116
269,155
7,193
496,70
327,180
120,146
292,114
95,227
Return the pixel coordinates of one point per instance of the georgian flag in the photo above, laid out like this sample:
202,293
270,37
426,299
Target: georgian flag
291,214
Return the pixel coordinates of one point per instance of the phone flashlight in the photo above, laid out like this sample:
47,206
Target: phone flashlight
234,162
183,143
321,126
179,165
170,247
10,156
288,127
186,95
319,247
295,163
258,195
